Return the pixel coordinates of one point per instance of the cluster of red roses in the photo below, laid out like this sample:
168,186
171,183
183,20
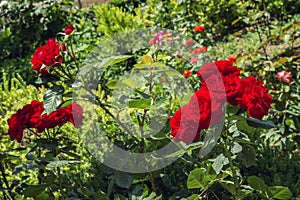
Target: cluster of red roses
205,106
199,29
30,116
46,57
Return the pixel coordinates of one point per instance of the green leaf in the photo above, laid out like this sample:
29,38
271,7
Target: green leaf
195,178
49,78
42,196
237,148
129,82
137,192
101,195
193,197
123,180
86,191
235,21
147,66
248,156
280,192
140,103
61,163
146,59
260,123
219,162
243,194
257,183
228,185
113,60
111,84
53,99
66,103
144,95
34,190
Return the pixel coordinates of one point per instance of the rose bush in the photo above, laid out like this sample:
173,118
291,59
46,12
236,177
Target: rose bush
253,112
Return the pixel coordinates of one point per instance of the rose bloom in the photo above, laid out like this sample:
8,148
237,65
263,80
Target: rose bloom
46,57
189,42
254,98
187,73
69,29
185,125
199,50
27,117
284,76
232,59
30,116
203,110
233,88
194,60
224,67
199,29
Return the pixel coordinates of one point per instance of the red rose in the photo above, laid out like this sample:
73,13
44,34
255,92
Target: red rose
189,42
210,106
46,57
16,128
233,88
204,109
30,117
255,97
187,73
74,113
56,118
69,29
231,59
63,47
224,67
33,113
199,50
27,117
199,29
185,125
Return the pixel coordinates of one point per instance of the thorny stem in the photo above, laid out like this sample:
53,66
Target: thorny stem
59,179
260,39
108,112
69,76
73,55
34,133
227,149
141,125
4,177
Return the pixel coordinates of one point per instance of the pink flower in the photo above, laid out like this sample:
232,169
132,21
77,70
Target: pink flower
160,37
194,60
284,76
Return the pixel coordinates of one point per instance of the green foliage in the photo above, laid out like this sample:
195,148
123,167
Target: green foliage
112,19
253,159
47,18
273,192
